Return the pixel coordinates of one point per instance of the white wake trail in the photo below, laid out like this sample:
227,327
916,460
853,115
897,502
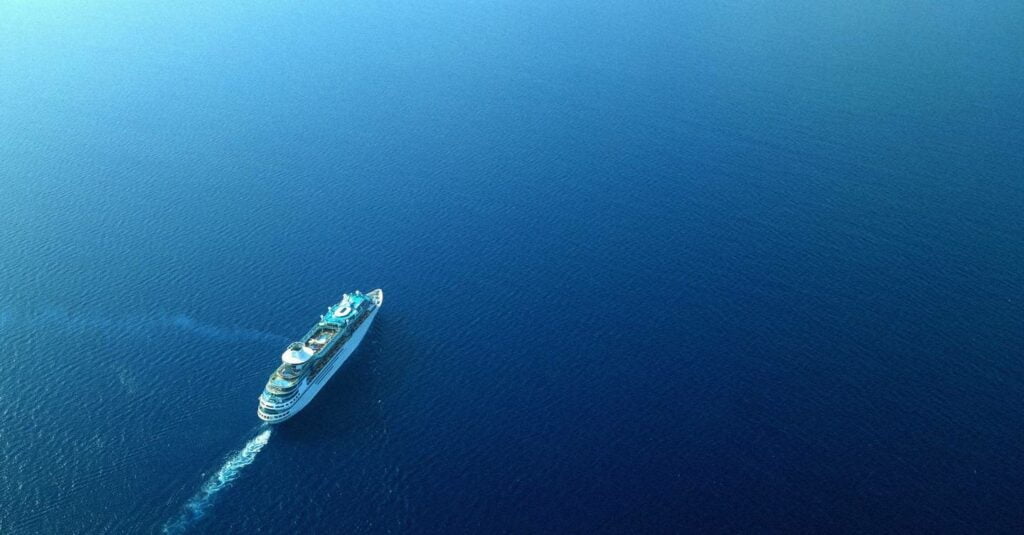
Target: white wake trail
198,505
140,325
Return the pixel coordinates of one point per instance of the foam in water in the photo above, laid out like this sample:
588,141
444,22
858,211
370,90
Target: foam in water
198,505
226,334
138,325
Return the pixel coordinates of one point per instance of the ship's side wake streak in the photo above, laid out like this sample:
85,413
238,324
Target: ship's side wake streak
197,506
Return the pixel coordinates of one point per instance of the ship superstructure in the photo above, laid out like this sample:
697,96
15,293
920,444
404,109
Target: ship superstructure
308,364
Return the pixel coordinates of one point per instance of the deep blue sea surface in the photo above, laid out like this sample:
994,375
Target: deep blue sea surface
732,267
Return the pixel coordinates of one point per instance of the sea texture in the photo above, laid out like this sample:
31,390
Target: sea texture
727,267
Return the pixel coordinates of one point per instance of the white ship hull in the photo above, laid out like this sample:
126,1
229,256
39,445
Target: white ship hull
310,391
309,388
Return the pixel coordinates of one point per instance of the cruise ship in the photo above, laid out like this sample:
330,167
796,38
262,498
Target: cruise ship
308,364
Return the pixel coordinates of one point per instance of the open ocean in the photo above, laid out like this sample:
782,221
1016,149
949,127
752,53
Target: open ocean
725,267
